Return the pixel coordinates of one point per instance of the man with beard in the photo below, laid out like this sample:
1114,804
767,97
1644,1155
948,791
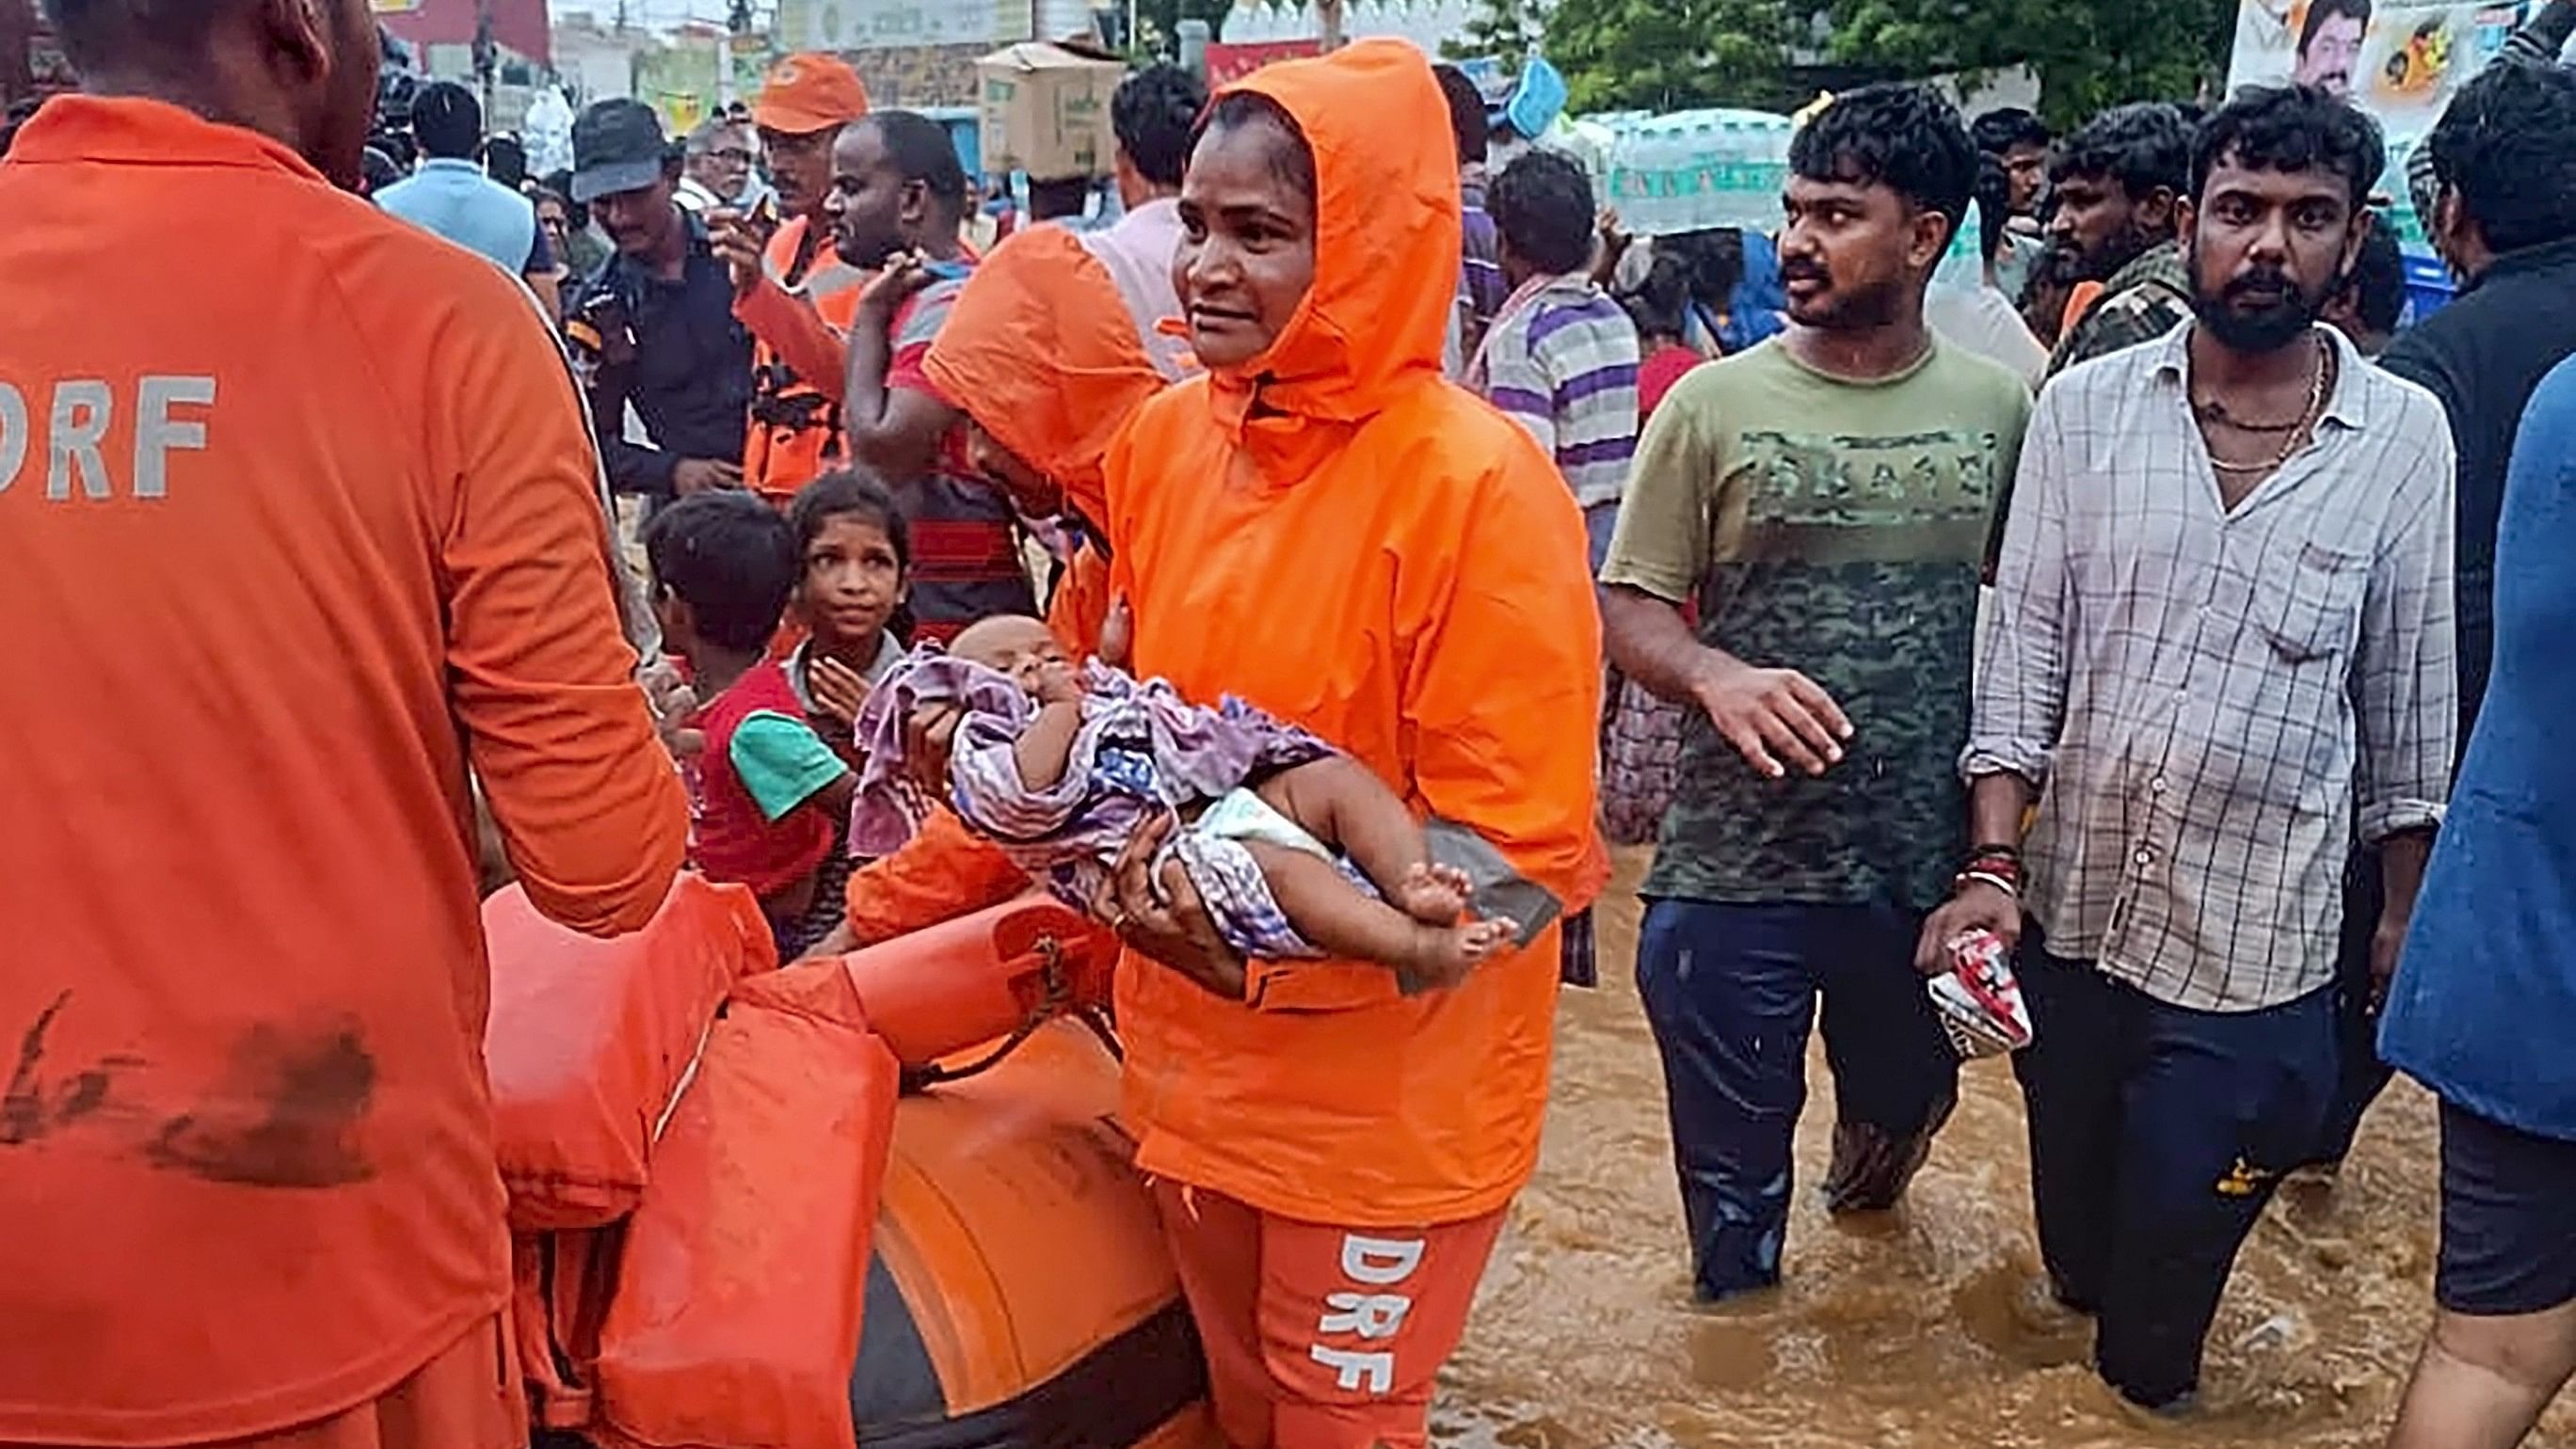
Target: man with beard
795,294
897,203
658,318
2119,184
2330,44
2221,642
1826,497
292,552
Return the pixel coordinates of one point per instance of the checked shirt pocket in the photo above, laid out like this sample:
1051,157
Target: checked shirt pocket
2312,609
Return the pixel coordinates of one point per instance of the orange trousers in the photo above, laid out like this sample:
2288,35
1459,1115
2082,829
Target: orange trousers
1322,1337
468,1397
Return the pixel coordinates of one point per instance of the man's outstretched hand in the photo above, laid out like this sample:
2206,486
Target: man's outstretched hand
1774,715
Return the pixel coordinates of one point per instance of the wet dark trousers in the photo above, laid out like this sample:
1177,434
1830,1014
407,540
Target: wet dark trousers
2156,1136
1731,992
2362,1076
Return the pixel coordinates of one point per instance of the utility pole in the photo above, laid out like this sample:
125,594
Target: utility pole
487,58
1331,13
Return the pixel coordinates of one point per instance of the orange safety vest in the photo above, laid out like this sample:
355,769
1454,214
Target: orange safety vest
291,548
795,435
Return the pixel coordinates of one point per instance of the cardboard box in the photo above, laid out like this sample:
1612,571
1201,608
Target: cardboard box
1046,111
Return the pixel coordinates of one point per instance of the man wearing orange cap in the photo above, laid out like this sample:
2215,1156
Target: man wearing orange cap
798,296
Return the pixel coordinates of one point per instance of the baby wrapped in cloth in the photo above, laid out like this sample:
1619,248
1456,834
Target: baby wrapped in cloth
1296,850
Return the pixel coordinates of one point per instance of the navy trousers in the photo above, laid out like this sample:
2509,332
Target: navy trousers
1731,992
2362,1076
2156,1136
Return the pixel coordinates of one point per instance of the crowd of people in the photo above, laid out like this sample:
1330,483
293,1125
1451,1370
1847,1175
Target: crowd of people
2050,537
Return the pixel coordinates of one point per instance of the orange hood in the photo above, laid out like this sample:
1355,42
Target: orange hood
1387,239
1042,352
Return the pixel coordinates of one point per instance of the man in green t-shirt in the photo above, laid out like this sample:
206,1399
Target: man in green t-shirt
1827,498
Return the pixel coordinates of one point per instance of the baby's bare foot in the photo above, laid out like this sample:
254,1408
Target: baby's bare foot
1446,957
1435,895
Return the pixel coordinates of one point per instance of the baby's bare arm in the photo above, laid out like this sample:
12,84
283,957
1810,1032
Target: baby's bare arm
1340,803
1045,748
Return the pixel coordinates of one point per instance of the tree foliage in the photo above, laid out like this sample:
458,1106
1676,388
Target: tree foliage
1503,28
2088,54
1666,55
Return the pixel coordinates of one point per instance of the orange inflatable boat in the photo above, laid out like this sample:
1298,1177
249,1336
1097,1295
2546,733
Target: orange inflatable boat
886,1201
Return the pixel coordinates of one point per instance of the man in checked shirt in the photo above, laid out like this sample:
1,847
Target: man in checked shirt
2222,622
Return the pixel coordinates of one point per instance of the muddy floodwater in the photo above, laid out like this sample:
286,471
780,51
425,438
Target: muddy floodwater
1924,1328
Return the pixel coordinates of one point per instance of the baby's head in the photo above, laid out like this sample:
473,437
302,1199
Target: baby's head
1013,644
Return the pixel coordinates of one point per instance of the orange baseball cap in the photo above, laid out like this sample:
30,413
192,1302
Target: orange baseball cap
811,91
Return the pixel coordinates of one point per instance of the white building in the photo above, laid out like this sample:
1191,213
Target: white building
595,60
1428,24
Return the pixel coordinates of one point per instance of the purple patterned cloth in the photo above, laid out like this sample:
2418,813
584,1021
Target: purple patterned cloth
1141,751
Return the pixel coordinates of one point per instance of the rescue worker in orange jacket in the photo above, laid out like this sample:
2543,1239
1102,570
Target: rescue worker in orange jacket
1325,527
1045,358
287,551
796,294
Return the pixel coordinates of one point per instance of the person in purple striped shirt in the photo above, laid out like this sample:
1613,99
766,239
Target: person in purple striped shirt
1561,357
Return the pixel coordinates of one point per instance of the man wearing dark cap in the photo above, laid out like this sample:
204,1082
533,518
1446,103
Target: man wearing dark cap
656,321
450,195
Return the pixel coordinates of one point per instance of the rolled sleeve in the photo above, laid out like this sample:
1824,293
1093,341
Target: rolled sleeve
2020,699
2406,670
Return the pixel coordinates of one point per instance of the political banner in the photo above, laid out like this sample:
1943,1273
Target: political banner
2400,60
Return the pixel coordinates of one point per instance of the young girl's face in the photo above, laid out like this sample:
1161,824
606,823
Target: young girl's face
853,583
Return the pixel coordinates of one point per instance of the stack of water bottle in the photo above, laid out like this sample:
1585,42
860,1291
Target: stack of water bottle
1698,170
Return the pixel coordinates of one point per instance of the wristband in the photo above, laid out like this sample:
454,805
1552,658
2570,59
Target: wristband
1968,878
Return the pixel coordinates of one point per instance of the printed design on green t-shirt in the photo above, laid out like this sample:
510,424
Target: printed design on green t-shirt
1840,498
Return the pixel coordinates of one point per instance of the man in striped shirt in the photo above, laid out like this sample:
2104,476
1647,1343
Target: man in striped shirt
1561,357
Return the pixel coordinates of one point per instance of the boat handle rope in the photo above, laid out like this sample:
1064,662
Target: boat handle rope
1058,997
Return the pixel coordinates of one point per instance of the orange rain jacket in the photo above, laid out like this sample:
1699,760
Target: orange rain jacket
286,546
1373,554
805,330
1044,353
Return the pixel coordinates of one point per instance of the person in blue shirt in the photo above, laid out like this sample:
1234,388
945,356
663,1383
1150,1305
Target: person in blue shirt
2483,1007
450,195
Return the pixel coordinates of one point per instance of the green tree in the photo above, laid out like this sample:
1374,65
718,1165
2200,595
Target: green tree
1503,28
1667,55
2088,54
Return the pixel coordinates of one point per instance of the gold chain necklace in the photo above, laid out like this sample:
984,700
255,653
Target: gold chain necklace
2298,433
